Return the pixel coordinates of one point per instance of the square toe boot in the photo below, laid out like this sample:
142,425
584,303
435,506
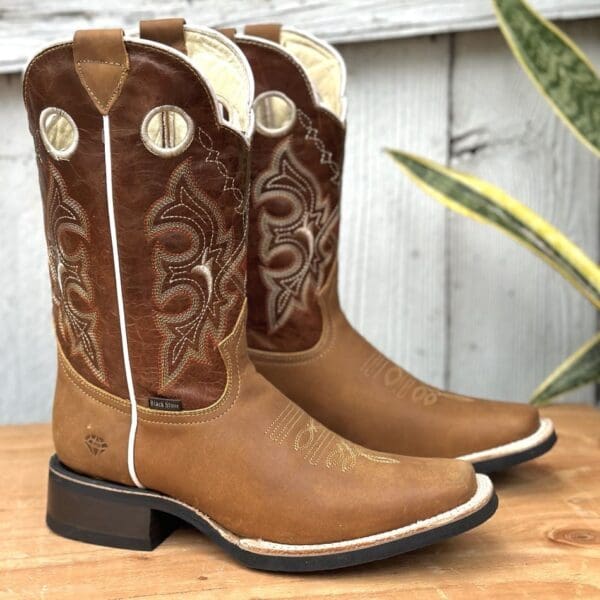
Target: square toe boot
159,415
298,336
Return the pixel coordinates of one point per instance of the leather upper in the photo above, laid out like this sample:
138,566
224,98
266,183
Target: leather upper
181,228
313,354
240,451
294,216
255,462
348,385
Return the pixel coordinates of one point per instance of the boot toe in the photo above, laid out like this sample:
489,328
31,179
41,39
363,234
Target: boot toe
481,425
511,422
454,482
426,488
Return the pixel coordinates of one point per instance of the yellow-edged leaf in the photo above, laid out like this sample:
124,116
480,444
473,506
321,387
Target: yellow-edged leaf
487,203
581,368
558,68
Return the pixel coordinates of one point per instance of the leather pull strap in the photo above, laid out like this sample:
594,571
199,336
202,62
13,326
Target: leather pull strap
228,32
164,31
102,65
268,31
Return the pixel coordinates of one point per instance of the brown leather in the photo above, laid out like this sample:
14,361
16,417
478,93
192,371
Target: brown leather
153,231
89,435
76,223
268,31
284,315
241,452
164,31
314,355
102,63
228,32
348,385
258,465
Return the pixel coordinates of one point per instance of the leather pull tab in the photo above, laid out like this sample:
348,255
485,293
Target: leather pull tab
164,31
228,32
102,64
268,31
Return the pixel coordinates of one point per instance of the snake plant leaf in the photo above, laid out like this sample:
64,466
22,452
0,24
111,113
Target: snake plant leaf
558,68
581,368
486,203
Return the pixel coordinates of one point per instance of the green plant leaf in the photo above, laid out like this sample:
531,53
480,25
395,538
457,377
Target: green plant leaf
489,204
559,69
581,368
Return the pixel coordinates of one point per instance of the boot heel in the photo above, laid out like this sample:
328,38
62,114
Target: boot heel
101,513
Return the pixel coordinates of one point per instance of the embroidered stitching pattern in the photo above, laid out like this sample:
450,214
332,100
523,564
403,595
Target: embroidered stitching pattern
199,273
316,443
311,134
170,142
117,89
306,232
213,156
228,398
95,444
69,264
402,385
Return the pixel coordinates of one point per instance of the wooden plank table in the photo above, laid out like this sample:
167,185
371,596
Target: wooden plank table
544,541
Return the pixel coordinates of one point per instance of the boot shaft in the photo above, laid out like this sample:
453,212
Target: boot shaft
143,167
296,172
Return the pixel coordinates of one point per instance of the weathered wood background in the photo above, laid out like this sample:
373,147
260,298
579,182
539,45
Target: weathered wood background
459,304
24,24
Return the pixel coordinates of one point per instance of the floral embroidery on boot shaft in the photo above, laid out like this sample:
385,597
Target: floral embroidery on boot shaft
67,235
194,277
300,235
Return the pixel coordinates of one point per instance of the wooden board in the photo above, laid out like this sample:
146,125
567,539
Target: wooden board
503,130
392,275
544,541
27,24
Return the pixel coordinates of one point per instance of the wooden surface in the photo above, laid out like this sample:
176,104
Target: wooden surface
544,541
27,24
457,303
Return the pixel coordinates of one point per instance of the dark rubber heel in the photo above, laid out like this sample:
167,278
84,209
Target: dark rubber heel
100,515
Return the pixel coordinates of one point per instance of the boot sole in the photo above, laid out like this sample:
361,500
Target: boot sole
514,453
109,514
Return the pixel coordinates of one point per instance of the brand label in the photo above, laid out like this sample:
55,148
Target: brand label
164,404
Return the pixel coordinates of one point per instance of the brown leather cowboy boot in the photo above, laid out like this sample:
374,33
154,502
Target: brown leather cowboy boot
159,416
299,338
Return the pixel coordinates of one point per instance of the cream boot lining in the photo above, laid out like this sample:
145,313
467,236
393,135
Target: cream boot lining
323,65
227,71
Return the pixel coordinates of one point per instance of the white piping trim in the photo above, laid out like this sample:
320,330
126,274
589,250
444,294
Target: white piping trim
133,37
120,303
540,435
482,496
311,86
341,62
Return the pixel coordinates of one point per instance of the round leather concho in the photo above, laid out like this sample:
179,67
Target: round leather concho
275,113
167,131
59,133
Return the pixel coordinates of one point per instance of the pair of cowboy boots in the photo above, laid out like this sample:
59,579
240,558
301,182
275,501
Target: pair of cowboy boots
206,373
